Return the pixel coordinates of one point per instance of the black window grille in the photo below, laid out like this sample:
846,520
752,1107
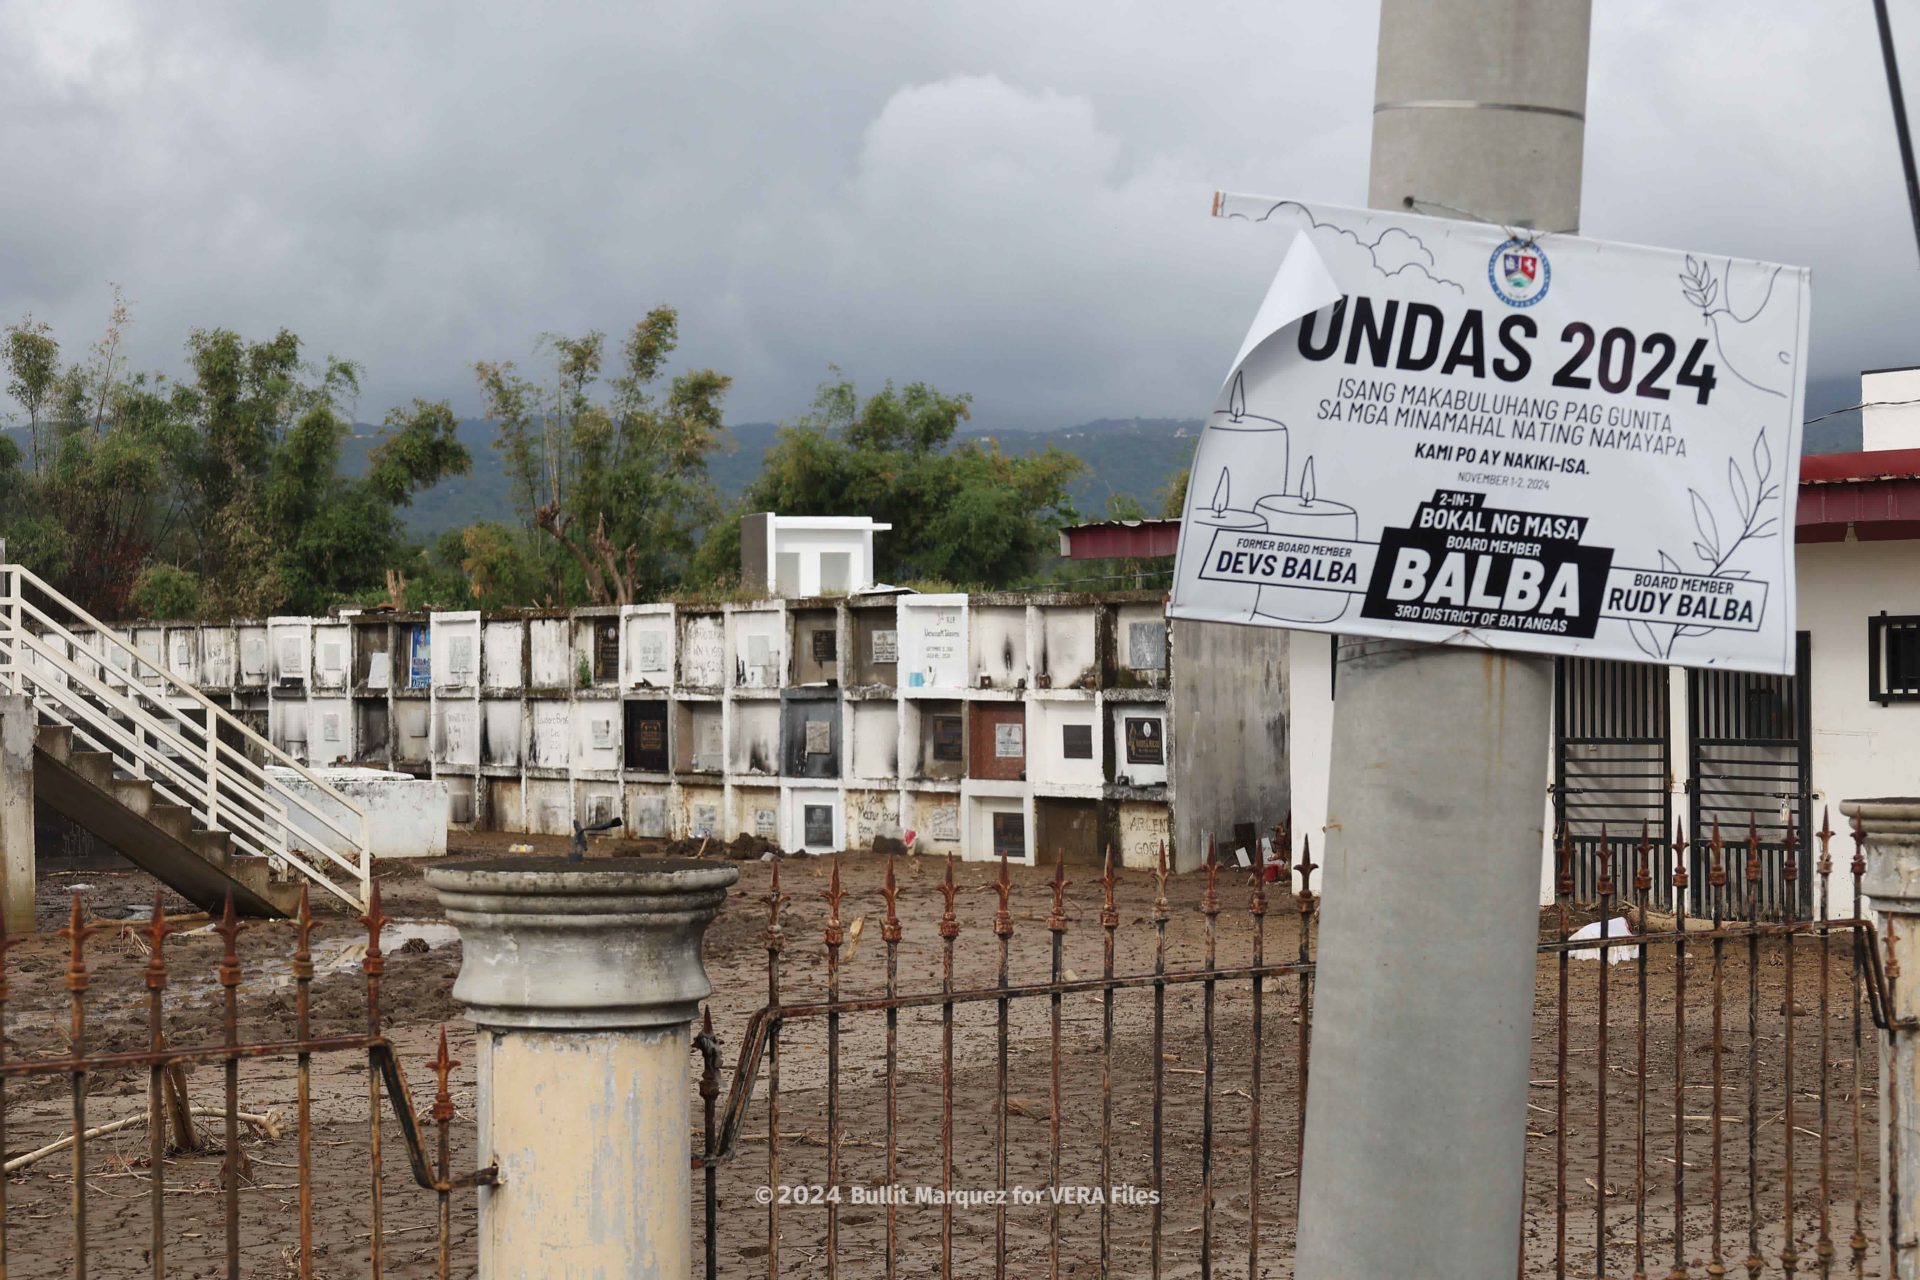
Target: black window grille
1893,658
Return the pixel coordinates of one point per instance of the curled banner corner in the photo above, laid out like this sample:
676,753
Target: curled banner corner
1301,286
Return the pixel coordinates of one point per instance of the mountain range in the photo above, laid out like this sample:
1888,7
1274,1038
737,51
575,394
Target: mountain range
1134,457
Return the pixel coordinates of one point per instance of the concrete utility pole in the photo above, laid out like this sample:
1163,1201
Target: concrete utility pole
1416,1116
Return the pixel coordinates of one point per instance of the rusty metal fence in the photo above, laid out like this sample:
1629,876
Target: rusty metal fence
172,1136
1125,1098
1684,1123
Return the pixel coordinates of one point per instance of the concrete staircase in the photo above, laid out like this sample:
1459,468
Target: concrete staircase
130,752
161,839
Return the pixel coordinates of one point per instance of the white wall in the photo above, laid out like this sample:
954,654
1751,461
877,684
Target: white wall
329,730
596,735
551,735
255,661
933,644
999,644
216,656
979,805
872,815
406,817
873,749
552,653
183,653
456,740
806,573
934,818
505,731
755,812
1144,835
502,660
1067,643
756,647
289,654
646,650
797,801
1890,426
1860,749
455,651
703,651
1048,766
797,547
332,655
512,686
1309,732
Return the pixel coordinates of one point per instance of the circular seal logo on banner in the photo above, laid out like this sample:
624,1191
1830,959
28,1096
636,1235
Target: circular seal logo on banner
1519,273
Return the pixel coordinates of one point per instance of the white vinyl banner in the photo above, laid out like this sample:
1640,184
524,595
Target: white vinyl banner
1458,433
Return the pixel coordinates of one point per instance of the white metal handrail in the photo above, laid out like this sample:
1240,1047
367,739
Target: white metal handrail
113,639
236,759
263,832
222,785
177,783
251,818
266,829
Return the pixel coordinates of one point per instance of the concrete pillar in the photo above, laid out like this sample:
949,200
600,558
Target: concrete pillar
16,813
584,980
1416,1117
1229,735
1892,881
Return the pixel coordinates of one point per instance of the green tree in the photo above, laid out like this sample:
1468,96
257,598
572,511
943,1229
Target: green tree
965,513
273,524
219,494
166,591
613,474
33,368
1173,494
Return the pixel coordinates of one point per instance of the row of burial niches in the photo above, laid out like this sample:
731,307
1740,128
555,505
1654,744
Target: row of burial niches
1070,742
287,654
929,646
913,645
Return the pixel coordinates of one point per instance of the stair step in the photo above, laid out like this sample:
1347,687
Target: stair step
134,793
215,846
94,766
174,819
255,872
55,739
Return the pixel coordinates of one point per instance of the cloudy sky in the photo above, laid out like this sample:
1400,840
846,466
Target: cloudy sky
1005,198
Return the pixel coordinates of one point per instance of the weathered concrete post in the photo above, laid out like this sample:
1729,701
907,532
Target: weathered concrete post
1892,881
16,813
1415,1145
584,980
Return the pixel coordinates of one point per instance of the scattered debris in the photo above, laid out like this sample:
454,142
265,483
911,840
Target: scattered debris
1618,927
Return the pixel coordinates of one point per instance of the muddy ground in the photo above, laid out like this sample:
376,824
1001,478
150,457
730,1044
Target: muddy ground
416,1004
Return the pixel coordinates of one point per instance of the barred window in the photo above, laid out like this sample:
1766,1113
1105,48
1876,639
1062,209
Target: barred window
1893,658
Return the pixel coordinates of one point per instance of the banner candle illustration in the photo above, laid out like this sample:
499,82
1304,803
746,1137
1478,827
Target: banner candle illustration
1510,439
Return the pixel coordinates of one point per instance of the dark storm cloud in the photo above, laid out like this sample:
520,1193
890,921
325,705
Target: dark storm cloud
1004,198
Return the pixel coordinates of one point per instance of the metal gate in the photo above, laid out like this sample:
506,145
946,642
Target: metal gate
1612,768
1750,761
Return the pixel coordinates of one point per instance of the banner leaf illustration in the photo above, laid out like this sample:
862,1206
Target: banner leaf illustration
1704,522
